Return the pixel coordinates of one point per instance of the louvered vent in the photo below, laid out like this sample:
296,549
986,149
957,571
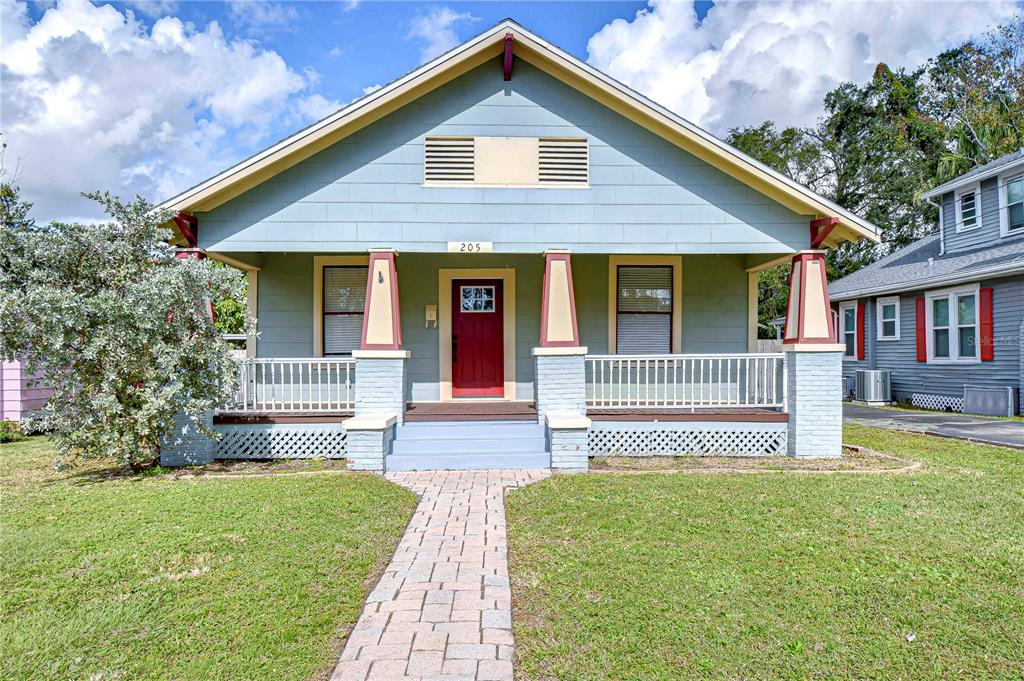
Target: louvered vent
564,161
449,160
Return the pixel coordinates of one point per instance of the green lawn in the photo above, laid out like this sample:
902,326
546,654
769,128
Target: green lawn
776,576
156,578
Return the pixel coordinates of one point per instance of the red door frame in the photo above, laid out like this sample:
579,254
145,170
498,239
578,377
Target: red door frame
482,372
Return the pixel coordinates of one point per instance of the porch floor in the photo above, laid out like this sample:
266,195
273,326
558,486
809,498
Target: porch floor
269,416
745,415
471,411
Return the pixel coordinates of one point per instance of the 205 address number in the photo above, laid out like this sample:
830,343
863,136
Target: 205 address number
470,247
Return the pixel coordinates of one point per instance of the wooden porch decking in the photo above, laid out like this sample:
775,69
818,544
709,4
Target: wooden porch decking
505,411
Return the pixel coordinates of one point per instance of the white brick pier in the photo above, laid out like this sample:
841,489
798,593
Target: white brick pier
443,608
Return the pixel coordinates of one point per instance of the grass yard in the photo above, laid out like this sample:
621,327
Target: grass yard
151,577
662,576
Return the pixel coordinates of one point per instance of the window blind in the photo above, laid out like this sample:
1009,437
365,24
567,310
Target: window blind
643,323
343,297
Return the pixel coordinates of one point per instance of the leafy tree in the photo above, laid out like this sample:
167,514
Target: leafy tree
117,325
230,312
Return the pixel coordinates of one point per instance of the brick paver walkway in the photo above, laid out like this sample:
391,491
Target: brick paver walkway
443,608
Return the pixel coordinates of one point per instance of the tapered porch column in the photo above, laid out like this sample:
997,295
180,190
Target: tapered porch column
560,379
813,362
380,368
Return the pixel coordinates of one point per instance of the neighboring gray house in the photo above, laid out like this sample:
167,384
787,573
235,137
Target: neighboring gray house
946,312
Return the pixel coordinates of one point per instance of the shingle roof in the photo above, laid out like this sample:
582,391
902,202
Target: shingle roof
990,168
919,265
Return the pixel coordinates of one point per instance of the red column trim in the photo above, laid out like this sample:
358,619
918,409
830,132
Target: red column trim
987,340
920,330
861,335
550,258
396,323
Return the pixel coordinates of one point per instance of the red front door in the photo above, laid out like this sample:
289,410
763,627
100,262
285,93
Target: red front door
478,355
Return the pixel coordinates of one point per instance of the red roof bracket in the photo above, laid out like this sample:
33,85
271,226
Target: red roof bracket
508,55
820,229
189,226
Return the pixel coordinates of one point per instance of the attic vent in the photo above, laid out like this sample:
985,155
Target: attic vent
563,161
449,160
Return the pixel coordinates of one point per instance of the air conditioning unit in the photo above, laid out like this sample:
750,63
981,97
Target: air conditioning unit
990,401
874,385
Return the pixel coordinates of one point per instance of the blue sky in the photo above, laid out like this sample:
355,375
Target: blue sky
152,96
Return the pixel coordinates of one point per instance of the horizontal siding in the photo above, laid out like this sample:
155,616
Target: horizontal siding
646,195
987,233
19,393
714,308
910,376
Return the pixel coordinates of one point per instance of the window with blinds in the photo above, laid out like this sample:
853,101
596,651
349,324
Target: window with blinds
343,297
643,319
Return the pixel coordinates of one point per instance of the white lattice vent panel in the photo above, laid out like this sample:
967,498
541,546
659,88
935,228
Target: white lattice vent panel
937,402
614,439
300,441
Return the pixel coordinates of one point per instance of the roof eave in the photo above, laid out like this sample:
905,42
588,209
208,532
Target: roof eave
931,282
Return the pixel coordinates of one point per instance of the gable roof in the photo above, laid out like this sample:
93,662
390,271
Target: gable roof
980,173
920,266
488,45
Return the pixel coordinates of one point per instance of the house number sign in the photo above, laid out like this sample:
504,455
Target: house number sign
470,246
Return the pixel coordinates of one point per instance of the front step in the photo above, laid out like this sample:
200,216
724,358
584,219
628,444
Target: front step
468,445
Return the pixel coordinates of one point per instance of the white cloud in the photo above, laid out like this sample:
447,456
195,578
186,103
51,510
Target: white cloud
92,100
436,29
153,8
350,5
262,16
371,88
748,62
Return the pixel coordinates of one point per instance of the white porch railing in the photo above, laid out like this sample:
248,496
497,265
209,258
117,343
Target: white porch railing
318,384
686,381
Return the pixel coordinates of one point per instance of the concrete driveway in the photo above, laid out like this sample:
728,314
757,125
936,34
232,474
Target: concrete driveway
961,426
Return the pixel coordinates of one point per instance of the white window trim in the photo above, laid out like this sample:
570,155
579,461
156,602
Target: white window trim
841,328
879,304
676,262
954,325
969,189
1004,198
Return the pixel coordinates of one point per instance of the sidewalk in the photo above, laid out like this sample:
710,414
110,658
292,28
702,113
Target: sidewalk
1004,432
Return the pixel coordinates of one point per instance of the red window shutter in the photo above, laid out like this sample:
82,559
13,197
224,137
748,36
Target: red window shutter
988,350
860,330
922,338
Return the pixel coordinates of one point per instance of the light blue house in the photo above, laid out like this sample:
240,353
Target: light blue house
945,314
506,258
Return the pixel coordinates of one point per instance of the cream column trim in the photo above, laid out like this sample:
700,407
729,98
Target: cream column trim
445,277
252,302
676,262
752,309
319,262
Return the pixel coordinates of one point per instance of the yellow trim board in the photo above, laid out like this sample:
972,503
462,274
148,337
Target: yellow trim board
676,262
445,277
557,63
319,262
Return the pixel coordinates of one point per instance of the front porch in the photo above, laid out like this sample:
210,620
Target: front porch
456,358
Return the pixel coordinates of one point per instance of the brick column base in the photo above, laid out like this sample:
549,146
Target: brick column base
380,382
814,400
568,439
368,441
560,381
186,445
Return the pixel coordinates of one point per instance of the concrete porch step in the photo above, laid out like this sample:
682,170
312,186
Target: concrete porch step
457,430
465,462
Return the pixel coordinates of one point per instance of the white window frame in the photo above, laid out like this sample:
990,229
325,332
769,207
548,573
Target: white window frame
954,325
879,306
1004,198
974,189
843,307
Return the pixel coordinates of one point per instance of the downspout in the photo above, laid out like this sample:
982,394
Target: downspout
942,232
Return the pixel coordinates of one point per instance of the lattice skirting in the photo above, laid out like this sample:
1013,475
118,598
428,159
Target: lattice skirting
937,402
273,441
624,438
